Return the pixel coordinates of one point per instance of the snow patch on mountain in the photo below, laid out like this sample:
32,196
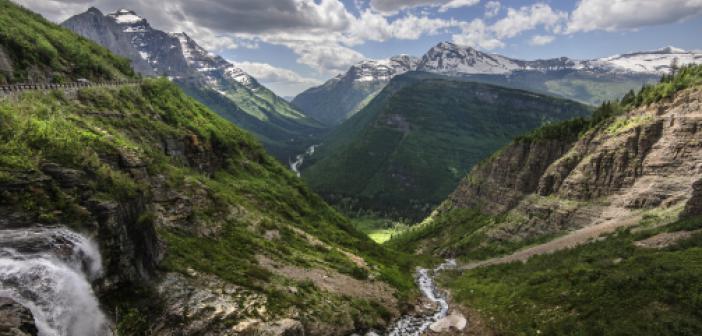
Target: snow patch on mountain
449,58
380,70
652,62
125,16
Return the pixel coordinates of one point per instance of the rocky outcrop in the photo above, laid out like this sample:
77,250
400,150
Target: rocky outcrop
648,161
499,183
15,319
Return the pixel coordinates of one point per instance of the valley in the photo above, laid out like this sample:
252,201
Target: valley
173,177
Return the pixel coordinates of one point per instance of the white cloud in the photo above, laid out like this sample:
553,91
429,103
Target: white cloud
394,6
272,74
527,18
477,34
539,40
327,58
492,8
458,4
613,15
55,10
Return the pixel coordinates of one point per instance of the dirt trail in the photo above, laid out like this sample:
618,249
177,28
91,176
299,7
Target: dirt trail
613,219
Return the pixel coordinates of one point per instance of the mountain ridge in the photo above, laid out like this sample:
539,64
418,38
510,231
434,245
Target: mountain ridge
405,150
587,81
243,100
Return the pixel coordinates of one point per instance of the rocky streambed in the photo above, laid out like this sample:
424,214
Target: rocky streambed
437,319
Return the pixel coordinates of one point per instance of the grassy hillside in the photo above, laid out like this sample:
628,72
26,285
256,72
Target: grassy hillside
611,287
407,150
188,210
275,123
35,50
588,88
635,281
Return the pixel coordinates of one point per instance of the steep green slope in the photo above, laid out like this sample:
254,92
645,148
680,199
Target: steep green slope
217,83
586,87
34,50
282,130
610,287
199,229
407,150
336,100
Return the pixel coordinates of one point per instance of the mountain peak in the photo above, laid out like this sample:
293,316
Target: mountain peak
126,16
94,10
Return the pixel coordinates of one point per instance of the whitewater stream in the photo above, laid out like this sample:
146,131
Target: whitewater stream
411,325
300,159
48,270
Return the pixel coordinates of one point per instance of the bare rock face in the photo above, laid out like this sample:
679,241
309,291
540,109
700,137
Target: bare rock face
198,304
95,26
499,183
15,319
647,161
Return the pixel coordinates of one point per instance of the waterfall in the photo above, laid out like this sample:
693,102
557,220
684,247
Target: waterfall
48,270
300,159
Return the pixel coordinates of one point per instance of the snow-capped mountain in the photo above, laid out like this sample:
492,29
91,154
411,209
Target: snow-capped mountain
105,31
449,58
175,55
161,50
651,62
343,95
381,70
205,76
211,66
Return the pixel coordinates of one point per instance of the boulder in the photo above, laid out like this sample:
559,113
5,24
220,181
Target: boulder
454,321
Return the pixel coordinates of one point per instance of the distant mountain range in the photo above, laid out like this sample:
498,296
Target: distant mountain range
588,81
209,78
409,147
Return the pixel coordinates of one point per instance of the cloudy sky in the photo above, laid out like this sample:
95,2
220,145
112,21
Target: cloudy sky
290,45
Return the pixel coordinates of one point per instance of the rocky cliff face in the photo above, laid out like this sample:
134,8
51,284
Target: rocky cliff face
645,164
499,183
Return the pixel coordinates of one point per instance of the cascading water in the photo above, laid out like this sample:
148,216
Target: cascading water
300,159
411,325
49,270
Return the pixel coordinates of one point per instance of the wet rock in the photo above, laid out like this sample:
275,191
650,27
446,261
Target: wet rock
454,321
15,319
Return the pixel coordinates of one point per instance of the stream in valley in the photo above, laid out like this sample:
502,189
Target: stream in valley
49,270
300,159
413,325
